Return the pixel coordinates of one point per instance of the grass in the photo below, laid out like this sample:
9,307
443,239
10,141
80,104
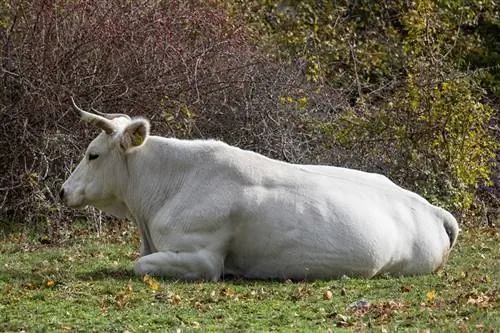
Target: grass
84,282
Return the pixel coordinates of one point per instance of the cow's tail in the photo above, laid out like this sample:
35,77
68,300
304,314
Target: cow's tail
450,226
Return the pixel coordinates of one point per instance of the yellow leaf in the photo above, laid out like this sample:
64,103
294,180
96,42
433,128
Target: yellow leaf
152,283
50,283
431,295
302,101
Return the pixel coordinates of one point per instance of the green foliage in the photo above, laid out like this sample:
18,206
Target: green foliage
5,17
441,134
340,42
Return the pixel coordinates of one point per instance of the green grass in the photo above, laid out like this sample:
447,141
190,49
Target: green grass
84,282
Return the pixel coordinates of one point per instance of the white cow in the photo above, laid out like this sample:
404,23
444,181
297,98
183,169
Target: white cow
206,209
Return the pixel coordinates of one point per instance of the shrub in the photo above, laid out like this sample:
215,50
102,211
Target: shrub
151,58
376,86
444,146
189,66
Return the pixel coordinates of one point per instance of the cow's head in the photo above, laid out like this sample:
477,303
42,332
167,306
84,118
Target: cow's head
99,177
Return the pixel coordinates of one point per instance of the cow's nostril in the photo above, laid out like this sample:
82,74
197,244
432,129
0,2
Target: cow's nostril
61,194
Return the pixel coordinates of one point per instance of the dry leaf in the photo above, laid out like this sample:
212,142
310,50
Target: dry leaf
405,289
50,283
129,291
327,295
227,292
176,299
152,283
482,300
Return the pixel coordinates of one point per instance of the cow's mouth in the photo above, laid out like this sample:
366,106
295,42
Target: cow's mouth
76,204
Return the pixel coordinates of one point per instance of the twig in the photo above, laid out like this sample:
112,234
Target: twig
355,60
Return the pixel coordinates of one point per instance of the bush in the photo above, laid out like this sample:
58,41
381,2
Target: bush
153,58
376,86
444,148
189,66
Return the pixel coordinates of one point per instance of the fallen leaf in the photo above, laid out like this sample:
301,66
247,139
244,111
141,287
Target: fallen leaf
482,300
227,292
431,295
327,295
405,289
152,283
30,285
384,311
176,299
50,283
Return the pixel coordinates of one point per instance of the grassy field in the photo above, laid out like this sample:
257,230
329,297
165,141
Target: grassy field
84,282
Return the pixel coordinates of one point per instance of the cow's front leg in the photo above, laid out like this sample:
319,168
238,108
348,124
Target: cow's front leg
200,265
145,247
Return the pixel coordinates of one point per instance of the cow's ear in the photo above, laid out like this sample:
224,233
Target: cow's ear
135,134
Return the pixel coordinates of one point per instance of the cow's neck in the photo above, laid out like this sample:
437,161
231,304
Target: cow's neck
156,172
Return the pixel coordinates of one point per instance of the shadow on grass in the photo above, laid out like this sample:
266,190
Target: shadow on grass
127,274
106,273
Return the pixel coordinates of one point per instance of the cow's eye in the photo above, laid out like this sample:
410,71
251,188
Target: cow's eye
93,157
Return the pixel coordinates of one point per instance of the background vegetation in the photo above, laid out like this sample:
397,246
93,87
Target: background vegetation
407,89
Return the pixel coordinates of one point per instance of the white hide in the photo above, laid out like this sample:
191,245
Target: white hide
205,209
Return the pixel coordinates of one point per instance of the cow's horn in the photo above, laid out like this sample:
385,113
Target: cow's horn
97,120
111,116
